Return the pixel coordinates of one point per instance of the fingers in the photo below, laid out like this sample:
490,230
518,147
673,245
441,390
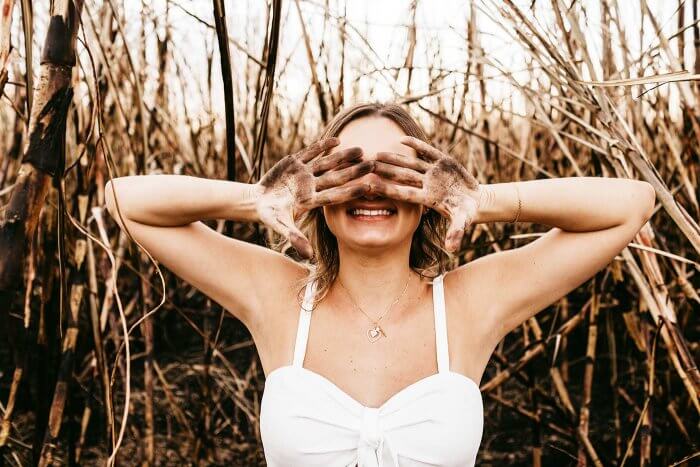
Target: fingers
403,161
285,226
422,148
323,164
455,232
399,192
399,174
338,177
341,194
308,153
301,244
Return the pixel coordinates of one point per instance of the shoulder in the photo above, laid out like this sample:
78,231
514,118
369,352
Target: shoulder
274,327
470,298
282,300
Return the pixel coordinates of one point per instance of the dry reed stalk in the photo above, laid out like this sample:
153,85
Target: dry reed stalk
5,46
607,113
612,350
100,361
268,83
147,332
584,412
643,417
138,97
43,159
320,93
502,376
583,114
28,30
225,55
535,417
555,373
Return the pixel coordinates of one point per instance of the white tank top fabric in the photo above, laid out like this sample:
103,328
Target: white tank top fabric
306,420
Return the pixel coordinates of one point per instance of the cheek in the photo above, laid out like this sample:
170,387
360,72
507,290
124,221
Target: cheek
414,215
411,210
331,216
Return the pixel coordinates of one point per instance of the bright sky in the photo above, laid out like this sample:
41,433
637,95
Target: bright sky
377,38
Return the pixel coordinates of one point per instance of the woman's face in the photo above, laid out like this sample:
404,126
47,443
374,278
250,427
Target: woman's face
354,228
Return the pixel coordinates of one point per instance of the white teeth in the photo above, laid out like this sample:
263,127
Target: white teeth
368,212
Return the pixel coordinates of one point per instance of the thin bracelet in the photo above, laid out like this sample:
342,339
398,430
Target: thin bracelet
520,205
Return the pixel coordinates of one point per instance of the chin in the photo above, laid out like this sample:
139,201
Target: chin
371,242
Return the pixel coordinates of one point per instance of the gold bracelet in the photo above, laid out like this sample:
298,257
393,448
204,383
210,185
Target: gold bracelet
520,205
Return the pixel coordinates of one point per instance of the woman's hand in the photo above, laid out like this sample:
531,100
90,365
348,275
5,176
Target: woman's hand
437,181
300,182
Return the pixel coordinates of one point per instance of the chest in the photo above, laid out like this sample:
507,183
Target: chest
339,349
334,392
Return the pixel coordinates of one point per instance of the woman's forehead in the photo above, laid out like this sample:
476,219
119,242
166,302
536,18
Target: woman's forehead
374,134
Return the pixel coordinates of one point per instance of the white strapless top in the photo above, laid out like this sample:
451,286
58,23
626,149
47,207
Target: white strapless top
306,420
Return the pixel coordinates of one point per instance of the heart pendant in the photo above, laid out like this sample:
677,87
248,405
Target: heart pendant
374,334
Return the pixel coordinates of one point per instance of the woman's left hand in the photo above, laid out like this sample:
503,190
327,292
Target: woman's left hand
435,180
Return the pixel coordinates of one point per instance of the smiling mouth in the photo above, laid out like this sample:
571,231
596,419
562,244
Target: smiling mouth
371,215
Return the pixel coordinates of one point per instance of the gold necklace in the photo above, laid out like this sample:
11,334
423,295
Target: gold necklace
374,333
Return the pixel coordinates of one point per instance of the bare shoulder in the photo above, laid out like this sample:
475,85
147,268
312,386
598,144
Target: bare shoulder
470,292
282,292
469,298
280,281
252,282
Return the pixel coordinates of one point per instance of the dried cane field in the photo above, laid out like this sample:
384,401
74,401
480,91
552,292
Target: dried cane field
515,90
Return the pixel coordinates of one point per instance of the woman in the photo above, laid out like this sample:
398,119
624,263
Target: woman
379,365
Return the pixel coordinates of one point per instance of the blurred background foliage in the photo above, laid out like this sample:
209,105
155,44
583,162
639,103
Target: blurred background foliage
515,90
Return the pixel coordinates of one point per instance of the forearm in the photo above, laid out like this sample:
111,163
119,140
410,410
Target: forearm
570,203
171,200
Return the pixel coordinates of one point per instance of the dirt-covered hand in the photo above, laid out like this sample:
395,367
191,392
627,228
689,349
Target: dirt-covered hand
303,181
435,180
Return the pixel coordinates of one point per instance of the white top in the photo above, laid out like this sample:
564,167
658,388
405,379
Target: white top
306,420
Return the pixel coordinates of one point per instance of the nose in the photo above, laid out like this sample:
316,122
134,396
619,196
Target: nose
372,180
369,155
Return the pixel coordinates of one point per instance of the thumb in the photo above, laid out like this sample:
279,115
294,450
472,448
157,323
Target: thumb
455,232
296,237
283,224
301,243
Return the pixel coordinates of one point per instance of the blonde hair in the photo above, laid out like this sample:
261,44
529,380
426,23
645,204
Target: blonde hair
426,257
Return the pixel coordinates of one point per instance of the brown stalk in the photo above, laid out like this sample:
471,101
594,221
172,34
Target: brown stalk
504,375
320,93
5,45
584,411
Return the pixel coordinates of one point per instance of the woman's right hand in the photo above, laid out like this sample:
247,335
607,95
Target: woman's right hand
302,181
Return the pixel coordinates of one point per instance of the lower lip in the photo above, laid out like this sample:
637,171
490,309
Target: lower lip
366,218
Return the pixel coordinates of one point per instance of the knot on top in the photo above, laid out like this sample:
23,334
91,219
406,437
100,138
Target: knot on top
370,432
371,443
370,440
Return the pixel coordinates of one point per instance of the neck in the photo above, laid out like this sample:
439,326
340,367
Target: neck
375,279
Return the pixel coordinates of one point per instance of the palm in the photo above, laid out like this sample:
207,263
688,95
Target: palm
436,180
302,181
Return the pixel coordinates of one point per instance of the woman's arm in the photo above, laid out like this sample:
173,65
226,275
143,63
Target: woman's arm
164,214
593,219
172,200
575,204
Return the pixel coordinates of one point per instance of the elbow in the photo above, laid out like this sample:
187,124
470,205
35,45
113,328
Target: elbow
647,201
109,197
110,187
